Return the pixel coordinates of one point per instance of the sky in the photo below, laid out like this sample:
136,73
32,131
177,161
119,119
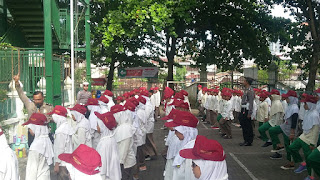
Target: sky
278,11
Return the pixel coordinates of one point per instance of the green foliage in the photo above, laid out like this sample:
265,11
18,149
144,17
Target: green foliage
180,74
80,75
263,76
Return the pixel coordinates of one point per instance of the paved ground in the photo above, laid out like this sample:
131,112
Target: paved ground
244,163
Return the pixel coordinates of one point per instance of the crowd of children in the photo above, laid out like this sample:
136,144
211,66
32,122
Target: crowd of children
116,139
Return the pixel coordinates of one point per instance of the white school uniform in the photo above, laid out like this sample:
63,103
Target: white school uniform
93,119
40,154
9,168
75,174
82,131
108,150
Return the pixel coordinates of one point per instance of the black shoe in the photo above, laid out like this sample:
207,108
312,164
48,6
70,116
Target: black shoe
276,156
247,144
223,134
267,144
242,144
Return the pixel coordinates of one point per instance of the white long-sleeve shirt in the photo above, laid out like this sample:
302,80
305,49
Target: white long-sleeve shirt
199,95
226,112
158,99
262,112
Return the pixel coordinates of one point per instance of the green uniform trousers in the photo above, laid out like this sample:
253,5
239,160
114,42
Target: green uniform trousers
274,132
313,161
263,129
294,151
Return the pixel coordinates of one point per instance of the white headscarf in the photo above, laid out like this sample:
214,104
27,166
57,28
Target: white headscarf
63,127
110,103
75,174
93,119
103,107
124,129
276,106
41,142
81,120
9,163
292,107
212,170
189,133
311,118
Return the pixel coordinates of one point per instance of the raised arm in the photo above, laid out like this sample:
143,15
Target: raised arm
22,96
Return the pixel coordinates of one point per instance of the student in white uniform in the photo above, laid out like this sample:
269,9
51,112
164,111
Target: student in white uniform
103,103
63,140
83,163
199,97
93,106
124,136
284,102
307,141
157,101
108,94
82,129
9,168
41,151
107,147
226,113
208,159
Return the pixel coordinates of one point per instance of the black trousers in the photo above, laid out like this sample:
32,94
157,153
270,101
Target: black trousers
246,126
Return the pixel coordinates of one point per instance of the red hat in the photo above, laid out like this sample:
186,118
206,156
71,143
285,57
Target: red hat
116,108
130,93
176,102
37,119
228,94
311,99
119,98
108,93
168,92
84,159
292,93
156,88
206,149
59,110
216,90
284,95
103,99
152,88
126,95
178,95
79,108
183,119
144,93
143,88
130,106
304,95
172,114
200,85
92,102
183,92
274,91
317,91
257,90
108,119
204,89
1,131
263,95
142,100
184,105
134,101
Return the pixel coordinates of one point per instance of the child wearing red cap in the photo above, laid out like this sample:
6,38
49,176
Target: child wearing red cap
107,147
83,163
82,129
208,159
108,94
288,128
63,139
93,106
103,104
124,136
226,113
185,129
308,139
40,152
9,163
263,117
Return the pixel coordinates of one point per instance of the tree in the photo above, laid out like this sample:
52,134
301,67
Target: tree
180,74
304,35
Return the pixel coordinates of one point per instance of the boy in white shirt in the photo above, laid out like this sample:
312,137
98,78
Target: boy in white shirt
225,121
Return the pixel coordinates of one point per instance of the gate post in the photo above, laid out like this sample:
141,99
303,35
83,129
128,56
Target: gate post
88,50
48,50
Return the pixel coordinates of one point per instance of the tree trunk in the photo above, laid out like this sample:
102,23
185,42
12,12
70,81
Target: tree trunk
170,53
313,67
111,75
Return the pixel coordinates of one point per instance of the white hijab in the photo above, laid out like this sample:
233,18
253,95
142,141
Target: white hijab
41,142
75,174
189,134
124,129
110,103
103,107
82,121
292,107
93,119
63,127
212,170
311,118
